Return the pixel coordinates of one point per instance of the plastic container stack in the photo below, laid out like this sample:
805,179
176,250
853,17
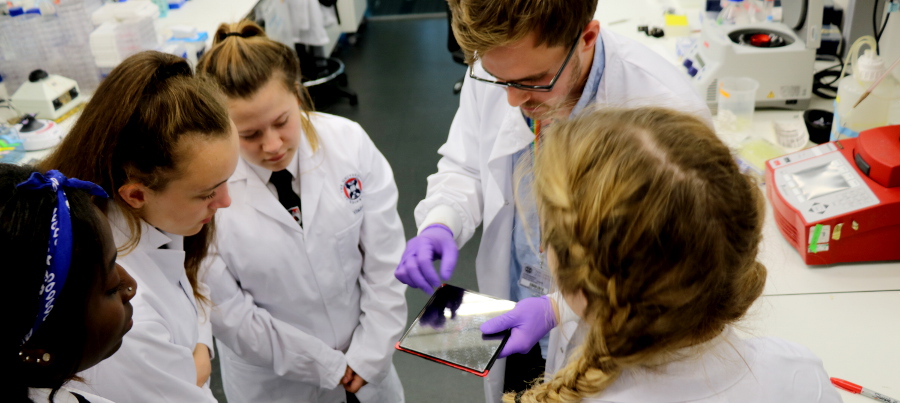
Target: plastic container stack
21,51
113,42
54,39
118,12
124,29
67,42
734,13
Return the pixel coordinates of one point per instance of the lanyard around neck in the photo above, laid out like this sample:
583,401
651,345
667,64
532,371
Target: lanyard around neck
535,126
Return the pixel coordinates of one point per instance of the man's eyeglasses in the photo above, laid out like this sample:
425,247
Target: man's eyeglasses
525,87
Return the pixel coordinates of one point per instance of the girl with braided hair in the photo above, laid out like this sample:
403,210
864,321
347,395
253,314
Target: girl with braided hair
651,234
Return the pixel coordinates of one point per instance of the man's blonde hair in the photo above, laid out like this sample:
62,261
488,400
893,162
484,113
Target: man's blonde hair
651,220
481,25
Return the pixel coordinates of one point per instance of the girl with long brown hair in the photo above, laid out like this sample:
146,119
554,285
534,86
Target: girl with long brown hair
652,233
307,308
159,141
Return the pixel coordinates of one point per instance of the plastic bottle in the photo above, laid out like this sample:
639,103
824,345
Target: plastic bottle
875,110
760,10
769,11
734,13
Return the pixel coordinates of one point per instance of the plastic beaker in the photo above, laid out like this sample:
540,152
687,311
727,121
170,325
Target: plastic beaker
736,102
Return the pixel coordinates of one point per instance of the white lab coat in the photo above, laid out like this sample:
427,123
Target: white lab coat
310,19
295,306
63,395
474,182
297,21
156,361
729,369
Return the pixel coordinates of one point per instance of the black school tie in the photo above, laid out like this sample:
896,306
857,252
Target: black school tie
286,195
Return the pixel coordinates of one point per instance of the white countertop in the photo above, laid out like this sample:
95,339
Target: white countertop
206,15
855,334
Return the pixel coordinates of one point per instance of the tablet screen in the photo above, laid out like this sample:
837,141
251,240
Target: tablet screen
447,330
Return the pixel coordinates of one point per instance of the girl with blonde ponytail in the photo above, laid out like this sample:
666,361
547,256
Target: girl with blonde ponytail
652,235
307,307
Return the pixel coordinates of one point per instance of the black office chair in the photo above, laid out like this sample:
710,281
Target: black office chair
323,77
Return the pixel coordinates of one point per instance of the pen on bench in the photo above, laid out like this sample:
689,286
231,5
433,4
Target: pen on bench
854,388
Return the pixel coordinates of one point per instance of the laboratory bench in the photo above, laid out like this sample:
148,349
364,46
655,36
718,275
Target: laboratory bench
854,333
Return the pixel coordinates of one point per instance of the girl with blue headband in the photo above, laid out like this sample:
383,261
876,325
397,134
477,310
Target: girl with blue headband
159,141
70,298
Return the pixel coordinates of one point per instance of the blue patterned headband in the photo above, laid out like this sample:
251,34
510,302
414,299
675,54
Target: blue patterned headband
59,250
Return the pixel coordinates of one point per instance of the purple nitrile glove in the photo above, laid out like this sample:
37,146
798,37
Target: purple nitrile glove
433,243
529,321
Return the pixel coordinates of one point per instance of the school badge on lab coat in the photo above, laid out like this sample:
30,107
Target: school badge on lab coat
352,189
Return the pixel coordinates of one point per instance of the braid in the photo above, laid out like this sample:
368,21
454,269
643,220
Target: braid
651,221
586,375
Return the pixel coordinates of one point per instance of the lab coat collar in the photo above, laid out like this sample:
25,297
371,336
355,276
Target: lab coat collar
63,395
170,260
589,94
265,174
261,198
513,137
705,371
617,87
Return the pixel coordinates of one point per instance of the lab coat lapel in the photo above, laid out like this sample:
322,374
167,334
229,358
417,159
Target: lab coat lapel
513,136
261,198
171,263
311,180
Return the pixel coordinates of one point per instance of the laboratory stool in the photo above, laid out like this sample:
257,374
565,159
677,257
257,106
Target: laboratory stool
324,77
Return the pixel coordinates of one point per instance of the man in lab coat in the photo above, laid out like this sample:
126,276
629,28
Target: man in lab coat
531,62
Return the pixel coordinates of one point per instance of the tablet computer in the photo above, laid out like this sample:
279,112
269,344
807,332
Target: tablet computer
448,330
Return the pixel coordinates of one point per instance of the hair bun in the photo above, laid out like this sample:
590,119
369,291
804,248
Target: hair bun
244,29
241,34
